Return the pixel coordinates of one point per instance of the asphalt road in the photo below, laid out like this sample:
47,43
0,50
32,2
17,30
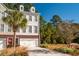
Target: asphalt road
37,51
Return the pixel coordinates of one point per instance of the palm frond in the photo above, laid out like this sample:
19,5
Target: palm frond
15,19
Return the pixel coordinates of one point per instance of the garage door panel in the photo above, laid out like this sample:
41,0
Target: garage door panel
2,43
28,43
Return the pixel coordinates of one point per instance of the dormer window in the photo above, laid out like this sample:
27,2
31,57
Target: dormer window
32,9
21,8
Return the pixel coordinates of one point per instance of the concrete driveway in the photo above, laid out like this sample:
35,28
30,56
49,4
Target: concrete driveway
37,51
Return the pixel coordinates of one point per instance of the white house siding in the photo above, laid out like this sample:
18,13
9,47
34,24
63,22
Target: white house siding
28,42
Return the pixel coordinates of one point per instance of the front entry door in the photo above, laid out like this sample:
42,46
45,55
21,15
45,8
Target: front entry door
10,42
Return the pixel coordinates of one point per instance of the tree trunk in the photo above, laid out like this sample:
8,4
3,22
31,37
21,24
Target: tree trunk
14,40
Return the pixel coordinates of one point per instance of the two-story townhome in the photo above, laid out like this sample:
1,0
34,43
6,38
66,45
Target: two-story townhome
28,37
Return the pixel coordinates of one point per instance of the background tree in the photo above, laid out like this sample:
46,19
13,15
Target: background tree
45,31
42,29
15,6
67,31
48,32
55,20
64,30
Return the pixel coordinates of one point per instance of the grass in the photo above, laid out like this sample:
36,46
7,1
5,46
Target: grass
19,51
71,51
53,46
63,48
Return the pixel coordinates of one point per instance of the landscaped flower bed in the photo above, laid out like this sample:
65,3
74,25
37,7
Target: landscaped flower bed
19,51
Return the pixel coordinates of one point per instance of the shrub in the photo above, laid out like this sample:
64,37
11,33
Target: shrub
44,45
54,41
66,50
70,50
76,53
19,51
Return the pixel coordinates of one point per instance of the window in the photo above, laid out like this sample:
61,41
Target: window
33,9
3,14
36,29
2,28
36,18
21,8
24,30
33,18
18,30
17,41
30,29
9,29
30,18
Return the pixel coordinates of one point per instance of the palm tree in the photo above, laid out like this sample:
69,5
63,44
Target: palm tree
15,20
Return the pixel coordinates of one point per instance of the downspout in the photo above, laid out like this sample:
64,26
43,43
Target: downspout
39,33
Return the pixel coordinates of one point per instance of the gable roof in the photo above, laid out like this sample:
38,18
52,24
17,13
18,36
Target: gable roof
3,7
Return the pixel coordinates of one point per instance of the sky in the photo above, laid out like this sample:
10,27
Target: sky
67,11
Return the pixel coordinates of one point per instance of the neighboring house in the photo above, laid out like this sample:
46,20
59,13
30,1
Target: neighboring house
28,37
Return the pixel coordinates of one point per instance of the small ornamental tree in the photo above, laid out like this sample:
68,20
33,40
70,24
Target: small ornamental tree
15,20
